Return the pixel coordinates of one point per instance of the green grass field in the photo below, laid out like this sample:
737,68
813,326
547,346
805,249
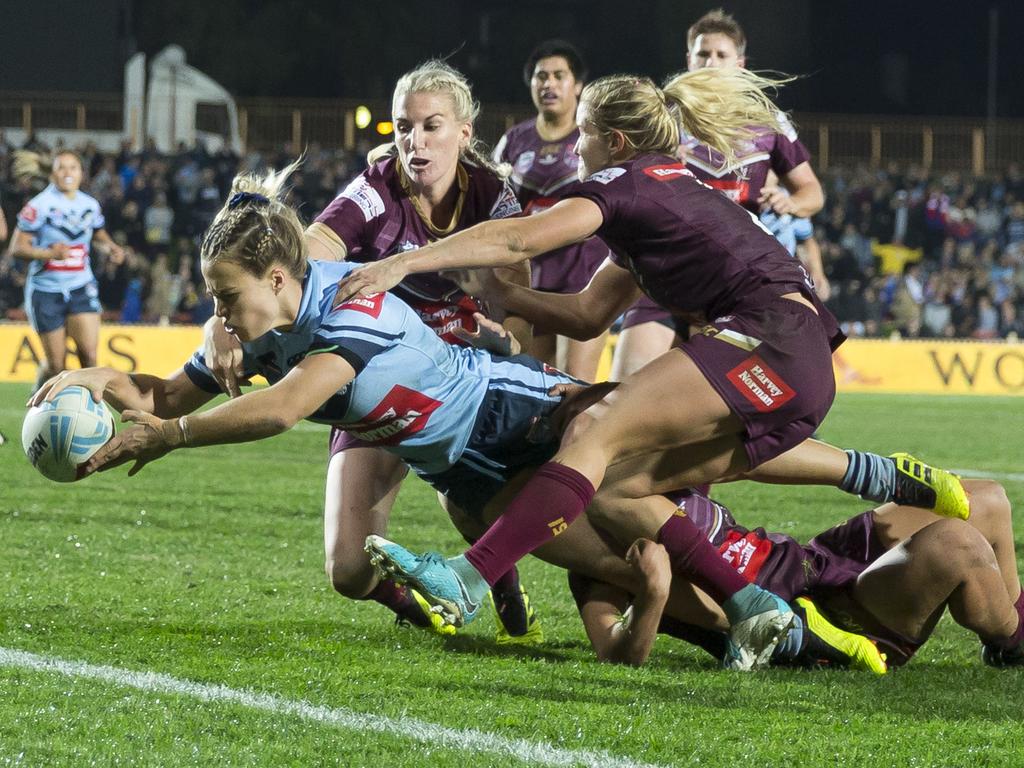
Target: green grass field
191,607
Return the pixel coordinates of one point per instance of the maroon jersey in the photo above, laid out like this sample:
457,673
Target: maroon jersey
776,148
375,218
690,249
541,171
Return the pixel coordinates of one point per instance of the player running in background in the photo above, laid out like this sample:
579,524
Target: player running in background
432,182
757,380
771,171
540,152
889,573
55,232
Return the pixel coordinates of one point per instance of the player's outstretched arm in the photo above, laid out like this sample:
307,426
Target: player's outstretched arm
253,416
166,398
495,243
584,315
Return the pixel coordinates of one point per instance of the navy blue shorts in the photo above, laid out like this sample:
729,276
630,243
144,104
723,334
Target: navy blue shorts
510,435
49,311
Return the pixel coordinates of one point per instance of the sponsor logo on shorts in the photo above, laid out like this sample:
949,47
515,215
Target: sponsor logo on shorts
667,172
401,413
764,388
745,552
369,305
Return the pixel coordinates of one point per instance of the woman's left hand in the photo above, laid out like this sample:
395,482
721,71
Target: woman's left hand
147,439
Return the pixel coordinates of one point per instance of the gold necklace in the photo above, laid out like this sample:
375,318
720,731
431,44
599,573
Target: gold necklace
462,177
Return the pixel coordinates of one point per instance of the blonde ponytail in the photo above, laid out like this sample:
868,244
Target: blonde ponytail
256,228
721,107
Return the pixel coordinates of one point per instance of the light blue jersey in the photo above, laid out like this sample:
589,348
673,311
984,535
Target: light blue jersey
53,218
788,230
415,395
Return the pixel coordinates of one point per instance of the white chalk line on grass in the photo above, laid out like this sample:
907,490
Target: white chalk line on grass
1016,477
464,739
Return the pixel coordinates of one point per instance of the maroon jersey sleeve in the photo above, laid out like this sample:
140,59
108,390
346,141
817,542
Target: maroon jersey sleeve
611,190
357,214
788,152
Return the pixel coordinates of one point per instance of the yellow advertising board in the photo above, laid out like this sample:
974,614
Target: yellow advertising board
930,367
129,348
919,367
861,365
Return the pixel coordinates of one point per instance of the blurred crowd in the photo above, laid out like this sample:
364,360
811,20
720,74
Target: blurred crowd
157,207
924,256
906,252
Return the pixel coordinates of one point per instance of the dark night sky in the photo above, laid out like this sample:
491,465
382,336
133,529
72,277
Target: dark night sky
864,57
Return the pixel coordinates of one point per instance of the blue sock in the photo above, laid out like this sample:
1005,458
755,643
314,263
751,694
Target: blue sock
750,601
793,643
870,476
475,584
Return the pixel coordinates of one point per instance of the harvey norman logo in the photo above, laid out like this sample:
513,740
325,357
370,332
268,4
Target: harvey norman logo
760,384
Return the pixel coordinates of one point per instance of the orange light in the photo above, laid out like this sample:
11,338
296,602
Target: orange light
384,127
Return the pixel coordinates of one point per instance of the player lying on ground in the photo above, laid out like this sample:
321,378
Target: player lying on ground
888,573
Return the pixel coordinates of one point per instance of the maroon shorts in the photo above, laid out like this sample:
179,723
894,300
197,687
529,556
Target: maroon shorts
772,365
646,310
825,569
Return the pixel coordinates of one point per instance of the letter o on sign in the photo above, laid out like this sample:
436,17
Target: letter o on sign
1009,370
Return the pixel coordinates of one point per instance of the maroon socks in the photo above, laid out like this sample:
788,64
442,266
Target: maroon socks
553,498
697,561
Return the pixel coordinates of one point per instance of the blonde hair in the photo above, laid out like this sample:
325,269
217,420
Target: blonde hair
436,76
718,107
256,228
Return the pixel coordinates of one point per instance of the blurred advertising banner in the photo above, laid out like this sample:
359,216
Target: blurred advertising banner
930,367
861,365
129,348
918,367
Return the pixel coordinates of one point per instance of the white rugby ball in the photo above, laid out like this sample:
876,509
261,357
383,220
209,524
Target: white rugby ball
59,435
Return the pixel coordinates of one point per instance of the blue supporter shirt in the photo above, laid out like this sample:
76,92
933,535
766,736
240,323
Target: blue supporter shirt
413,394
51,218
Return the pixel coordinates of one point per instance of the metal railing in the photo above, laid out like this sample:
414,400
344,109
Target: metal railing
940,144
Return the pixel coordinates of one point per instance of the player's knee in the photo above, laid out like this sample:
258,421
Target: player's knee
958,545
989,502
350,579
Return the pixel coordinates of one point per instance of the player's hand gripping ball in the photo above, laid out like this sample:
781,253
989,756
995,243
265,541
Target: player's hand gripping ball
62,434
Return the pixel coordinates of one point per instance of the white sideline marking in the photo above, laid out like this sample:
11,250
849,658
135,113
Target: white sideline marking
465,739
1016,477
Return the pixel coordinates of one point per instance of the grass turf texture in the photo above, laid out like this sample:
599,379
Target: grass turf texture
208,567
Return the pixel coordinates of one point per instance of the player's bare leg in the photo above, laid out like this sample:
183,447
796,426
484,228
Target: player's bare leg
55,354
639,345
84,330
581,358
